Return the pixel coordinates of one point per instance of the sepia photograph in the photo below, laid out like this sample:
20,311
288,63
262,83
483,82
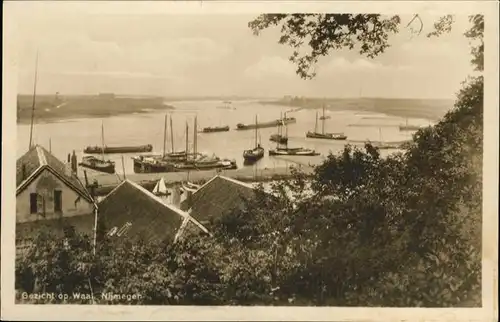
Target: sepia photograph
209,157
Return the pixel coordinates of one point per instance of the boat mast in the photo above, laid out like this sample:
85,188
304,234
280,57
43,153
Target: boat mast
34,100
102,140
316,123
195,136
280,124
165,135
323,121
256,130
171,134
187,139
286,127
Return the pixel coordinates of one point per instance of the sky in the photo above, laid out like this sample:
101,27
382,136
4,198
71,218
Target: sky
217,55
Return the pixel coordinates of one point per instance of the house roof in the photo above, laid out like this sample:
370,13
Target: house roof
150,217
37,159
217,196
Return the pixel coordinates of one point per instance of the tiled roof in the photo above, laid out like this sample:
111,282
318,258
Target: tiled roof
216,197
150,217
31,163
38,158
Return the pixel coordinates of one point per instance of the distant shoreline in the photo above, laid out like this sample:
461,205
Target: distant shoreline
52,110
433,109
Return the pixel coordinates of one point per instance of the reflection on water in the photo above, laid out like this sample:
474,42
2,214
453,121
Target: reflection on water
147,128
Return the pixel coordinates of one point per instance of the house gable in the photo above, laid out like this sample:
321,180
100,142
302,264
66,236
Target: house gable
44,183
33,162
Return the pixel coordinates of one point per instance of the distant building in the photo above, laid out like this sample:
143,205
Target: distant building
107,95
132,212
49,196
216,197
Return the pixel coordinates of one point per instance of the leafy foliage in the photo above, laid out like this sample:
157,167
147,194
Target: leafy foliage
369,33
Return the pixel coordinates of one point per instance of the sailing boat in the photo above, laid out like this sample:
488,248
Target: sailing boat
199,161
97,164
172,155
323,135
255,154
161,188
279,138
154,163
291,151
409,127
385,145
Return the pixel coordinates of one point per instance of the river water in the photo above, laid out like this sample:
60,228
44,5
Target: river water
64,136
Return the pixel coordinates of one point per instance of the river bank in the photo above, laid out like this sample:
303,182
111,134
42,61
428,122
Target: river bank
49,109
107,182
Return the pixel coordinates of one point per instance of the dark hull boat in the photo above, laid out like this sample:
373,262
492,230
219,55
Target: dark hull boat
326,136
409,127
205,165
325,117
253,155
215,129
144,164
96,164
322,135
118,149
278,138
293,151
289,120
158,163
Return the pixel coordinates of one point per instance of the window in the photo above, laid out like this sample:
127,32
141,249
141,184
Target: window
33,203
57,200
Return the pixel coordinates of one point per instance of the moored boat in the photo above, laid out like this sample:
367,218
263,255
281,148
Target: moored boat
118,149
293,151
409,127
148,164
328,136
209,165
255,154
278,138
216,129
286,120
96,164
198,161
323,134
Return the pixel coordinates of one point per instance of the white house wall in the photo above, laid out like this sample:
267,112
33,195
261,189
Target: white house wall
45,184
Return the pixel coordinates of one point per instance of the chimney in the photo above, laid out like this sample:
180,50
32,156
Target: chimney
67,170
74,163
